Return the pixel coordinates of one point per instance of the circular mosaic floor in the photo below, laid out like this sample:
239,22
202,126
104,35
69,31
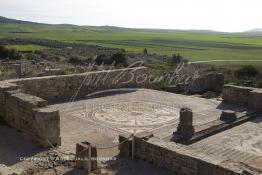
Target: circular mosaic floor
134,116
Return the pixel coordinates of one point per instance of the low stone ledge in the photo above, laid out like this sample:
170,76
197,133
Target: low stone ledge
48,126
65,86
236,94
4,87
27,113
177,158
228,116
255,99
245,96
30,100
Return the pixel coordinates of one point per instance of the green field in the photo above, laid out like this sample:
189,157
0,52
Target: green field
242,48
27,47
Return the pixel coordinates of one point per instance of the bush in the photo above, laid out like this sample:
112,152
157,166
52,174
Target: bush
74,60
9,53
119,58
176,58
3,52
247,71
102,59
145,51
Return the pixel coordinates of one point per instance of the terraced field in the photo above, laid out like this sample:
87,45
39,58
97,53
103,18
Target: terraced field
219,48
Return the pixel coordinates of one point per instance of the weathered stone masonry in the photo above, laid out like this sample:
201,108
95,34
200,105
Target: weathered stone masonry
66,86
174,157
29,114
178,157
23,102
245,96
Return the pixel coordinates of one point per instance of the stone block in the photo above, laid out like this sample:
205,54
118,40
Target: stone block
48,126
255,99
228,116
83,158
30,100
236,94
209,82
125,147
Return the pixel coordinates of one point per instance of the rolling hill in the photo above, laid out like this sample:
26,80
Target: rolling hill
195,45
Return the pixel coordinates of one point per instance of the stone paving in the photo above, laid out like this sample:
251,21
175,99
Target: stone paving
241,144
100,118
134,111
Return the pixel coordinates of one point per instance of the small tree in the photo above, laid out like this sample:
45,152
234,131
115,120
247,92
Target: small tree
176,58
9,53
3,52
145,51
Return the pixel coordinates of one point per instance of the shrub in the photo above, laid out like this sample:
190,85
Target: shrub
102,59
176,58
119,58
247,71
3,52
145,51
9,53
74,60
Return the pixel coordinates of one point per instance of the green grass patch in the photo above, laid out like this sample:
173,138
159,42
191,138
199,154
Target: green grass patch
27,47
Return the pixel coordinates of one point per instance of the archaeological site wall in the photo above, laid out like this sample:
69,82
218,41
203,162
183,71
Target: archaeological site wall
245,96
199,84
24,102
174,157
29,114
178,157
67,86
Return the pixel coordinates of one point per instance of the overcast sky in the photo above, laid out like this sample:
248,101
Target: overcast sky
221,15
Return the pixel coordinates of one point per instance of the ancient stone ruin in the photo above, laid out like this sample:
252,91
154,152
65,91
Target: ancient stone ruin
200,149
106,110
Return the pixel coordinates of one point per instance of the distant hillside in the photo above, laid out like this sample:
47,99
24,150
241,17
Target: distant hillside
194,45
255,30
4,20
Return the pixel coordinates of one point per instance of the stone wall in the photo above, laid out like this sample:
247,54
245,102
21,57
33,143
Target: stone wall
174,157
23,102
245,96
66,86
29,114
209,82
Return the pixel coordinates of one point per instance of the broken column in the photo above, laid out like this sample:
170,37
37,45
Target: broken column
86,156
185,127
